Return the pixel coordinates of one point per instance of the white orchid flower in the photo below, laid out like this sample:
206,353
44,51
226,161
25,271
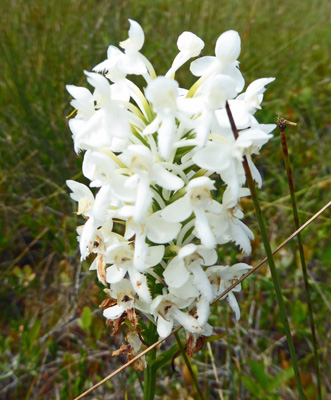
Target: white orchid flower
108,126
124,293
154,228
84,104
134,62
189,45
98,168
146,173
228,226
123,88
224,155
121,257
208,98
227,50
99,215
83,195
221,277
189,261
110,67
167,312
83,101
197,200
245,105
162,92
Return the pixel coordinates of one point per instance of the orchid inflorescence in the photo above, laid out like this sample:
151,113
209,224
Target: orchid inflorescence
153,225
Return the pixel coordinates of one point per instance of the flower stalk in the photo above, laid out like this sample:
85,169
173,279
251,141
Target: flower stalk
150,371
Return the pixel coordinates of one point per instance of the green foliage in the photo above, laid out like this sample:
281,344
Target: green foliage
166,357
262,385
86,319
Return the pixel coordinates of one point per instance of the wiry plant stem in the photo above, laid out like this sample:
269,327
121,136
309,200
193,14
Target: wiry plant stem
271,262
282,125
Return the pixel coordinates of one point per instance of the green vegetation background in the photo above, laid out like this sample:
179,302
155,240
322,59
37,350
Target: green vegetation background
53,340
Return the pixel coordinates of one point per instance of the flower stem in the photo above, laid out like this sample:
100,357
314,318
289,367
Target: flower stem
271,262
282,125
189,367
150,371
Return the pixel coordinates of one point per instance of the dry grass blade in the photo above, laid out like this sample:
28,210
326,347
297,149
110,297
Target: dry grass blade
294,234
25,251
210,351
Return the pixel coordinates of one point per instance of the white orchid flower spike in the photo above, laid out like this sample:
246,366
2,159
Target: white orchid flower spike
158,159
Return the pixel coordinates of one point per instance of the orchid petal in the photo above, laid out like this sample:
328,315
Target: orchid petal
178,211
164,326
166,179
139,283
176,274
201,281
186,291
113,312
203,230
159,230
203,66
228,47
190,43
203,310
115,274
136,38
79,191
214,157
187,321
154,255
234,305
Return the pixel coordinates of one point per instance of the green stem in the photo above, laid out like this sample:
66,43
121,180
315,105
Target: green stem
282,125
189,367
150,371
271,262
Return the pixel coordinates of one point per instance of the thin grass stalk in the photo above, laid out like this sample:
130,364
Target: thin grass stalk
189,367
251,271
210,351
282,126
271,262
